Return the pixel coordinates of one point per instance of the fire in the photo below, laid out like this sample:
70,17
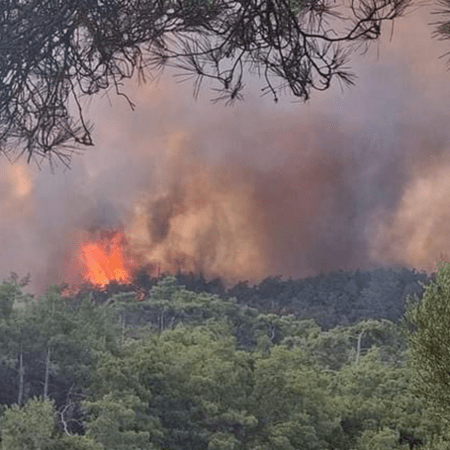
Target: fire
103,260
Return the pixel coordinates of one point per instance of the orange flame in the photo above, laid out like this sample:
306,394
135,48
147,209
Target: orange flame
103,261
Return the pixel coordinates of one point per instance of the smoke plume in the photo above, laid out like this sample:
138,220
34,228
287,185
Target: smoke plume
353,179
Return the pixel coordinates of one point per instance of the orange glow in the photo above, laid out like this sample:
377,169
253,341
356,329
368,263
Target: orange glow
103,260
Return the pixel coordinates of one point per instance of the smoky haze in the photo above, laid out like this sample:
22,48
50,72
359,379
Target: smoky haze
353,179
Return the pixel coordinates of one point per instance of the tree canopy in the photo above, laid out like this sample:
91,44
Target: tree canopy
55,52
429,334
181,369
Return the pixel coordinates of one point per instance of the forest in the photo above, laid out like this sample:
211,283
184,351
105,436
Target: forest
322,363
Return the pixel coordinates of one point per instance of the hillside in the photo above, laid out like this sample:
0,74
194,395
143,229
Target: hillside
249,369
331,299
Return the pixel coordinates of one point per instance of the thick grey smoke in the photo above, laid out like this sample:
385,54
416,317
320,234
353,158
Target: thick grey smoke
351,180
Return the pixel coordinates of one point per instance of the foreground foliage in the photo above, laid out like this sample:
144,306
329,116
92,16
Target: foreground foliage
184,370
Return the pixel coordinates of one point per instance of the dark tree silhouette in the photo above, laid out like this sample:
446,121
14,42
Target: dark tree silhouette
442,26
54,52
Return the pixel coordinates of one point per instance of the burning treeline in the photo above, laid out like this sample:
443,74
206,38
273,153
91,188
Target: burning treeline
201,219
232,220
304,210
248,191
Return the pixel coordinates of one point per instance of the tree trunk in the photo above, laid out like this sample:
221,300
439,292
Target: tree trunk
358,349
47,373
21,376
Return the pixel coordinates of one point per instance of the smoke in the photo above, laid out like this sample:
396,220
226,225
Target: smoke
353,179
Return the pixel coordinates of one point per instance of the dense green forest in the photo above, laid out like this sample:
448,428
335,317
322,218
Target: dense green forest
324,363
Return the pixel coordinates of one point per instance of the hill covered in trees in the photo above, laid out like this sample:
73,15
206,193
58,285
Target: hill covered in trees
315,364
331,299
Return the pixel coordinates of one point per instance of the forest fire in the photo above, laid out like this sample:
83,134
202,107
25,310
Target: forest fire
103,260
201,220
276,201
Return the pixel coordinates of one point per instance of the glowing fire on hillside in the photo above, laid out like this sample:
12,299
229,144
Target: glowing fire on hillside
103,260
223,217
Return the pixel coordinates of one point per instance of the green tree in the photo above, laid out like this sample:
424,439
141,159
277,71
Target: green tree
114,422
10,291
377,405
17,333
427,326
343,345
33,427
71,334
383,439
170,305
289,399
30,427
54,336
189,384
